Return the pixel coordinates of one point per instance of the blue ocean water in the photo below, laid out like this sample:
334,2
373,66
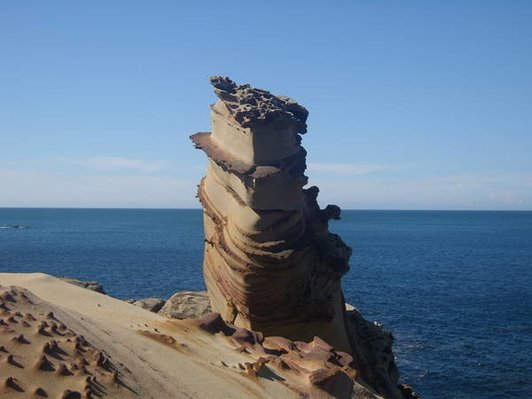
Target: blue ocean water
455,288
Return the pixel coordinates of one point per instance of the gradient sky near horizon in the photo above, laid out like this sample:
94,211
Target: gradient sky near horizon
413,104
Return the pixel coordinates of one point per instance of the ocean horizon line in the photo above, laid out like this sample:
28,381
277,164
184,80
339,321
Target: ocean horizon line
199,209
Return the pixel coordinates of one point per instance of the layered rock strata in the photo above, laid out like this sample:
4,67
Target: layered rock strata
270,262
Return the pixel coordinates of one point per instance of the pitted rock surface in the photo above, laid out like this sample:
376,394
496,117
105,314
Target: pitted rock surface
41,356
251,106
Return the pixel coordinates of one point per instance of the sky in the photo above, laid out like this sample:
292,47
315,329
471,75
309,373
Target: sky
413,104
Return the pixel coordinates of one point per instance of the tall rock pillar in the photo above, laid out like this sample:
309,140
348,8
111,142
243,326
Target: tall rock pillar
270,262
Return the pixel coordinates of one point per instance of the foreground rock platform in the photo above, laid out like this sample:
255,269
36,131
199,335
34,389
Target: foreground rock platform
41,356
84,344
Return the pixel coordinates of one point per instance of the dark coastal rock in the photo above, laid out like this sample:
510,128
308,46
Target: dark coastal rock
374,355
186,305
89,285
151,304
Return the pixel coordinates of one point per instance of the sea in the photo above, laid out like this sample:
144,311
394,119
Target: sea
454,287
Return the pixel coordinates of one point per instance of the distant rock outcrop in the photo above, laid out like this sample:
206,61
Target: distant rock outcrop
270,262
186,305
151,304
89,285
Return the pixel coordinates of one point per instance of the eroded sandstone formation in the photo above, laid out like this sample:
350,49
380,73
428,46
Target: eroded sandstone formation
270,262
313,370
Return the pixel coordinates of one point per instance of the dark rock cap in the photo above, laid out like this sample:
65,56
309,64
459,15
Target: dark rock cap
252,107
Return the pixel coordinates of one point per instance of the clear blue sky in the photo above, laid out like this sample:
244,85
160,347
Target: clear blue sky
413,104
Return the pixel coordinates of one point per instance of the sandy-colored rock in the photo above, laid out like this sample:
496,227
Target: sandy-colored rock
270,262
186,305
44,357
84,344
314,369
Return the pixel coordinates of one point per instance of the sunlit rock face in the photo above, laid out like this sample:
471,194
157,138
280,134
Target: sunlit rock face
270,262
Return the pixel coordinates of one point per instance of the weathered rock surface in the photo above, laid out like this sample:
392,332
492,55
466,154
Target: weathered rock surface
151,304
186,305
89,285
270,262
312,369
42,356
73,343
